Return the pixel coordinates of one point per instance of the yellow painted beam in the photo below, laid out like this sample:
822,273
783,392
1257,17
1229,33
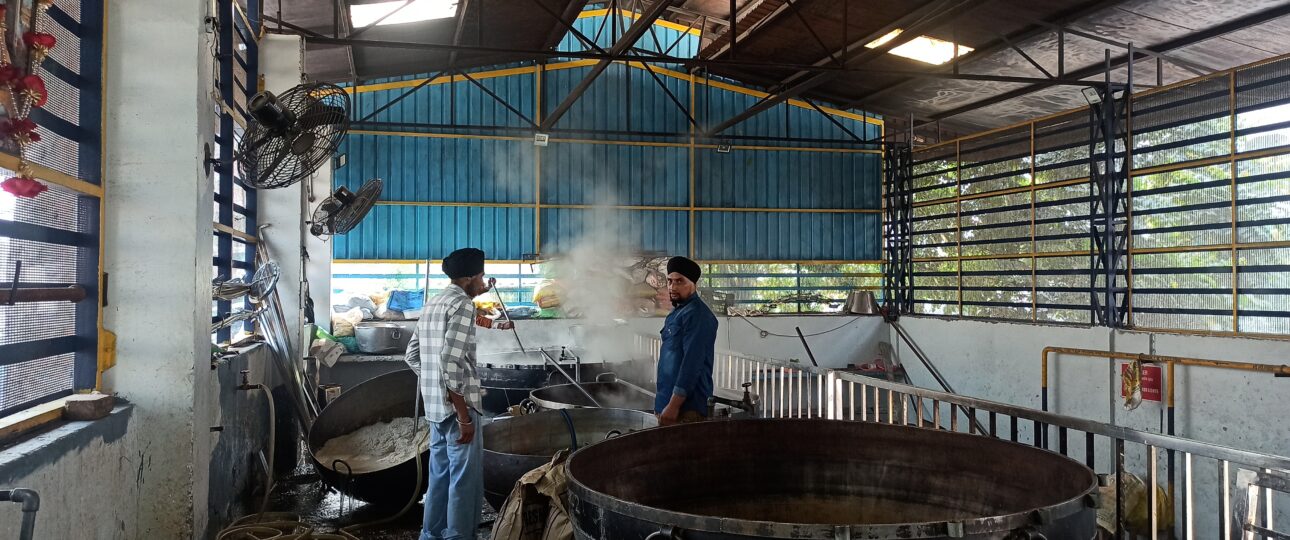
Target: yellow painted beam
527,70
383,133
46,174
634,15
394,85
244,237
29,419
622,207
715,261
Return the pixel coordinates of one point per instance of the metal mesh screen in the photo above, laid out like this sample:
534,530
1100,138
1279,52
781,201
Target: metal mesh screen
1209,203
1186,291
37,321
48,348
60,146
26,383
1263,106
995,162
1185,207
41,262
996,246
1186,123
1264,292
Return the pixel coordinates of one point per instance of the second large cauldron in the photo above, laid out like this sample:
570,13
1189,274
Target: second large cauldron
825,479
514,446
379,399
612,394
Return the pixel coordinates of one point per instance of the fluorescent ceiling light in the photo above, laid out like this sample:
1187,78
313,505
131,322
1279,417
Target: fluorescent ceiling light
922,48
364,15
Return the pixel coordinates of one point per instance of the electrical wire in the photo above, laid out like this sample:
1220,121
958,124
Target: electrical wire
766,332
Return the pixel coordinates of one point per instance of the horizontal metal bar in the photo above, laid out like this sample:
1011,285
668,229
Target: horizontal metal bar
691,63
40,233
26,351
1162,441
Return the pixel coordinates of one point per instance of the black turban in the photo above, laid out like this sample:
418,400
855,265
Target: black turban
685,267
465,262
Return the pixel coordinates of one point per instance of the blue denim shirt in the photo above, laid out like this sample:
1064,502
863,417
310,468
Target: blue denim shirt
685,359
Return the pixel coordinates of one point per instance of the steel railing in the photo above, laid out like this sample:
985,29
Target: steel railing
1211,503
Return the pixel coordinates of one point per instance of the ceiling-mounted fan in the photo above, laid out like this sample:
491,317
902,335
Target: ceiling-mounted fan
341,212
292,134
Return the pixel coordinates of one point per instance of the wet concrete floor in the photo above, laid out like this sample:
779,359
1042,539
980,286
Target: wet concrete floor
327,510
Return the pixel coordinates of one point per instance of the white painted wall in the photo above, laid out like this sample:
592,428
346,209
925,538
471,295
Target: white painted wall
158,250
1001,362
281,210
102,480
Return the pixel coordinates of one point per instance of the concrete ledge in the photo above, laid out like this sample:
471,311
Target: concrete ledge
28,455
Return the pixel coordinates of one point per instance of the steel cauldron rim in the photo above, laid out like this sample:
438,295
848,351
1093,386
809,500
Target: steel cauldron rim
503,418
681,521
548,405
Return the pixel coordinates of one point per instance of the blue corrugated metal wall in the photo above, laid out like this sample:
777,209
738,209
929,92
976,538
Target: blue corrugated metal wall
787,179
404,232
786,236
448,191
661,231
612,174
441,170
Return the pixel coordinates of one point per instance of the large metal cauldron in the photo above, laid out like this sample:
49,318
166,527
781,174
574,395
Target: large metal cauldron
615,394
825,479
514,446
507,378
379,399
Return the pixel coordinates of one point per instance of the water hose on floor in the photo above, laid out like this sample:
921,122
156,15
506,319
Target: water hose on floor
416,492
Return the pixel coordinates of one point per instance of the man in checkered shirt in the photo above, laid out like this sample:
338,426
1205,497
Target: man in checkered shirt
444,350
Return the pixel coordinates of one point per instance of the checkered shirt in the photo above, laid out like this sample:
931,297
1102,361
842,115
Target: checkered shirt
445,345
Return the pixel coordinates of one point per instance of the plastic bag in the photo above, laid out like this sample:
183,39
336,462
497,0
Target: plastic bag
547,295
359,301
406,300
342,324
1137,518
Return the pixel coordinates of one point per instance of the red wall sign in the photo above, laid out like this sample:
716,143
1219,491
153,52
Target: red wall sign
1151,377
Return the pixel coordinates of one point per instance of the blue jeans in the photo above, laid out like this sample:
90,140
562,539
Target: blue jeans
455,492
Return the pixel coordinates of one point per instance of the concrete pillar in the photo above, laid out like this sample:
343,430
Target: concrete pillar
158,249
281,61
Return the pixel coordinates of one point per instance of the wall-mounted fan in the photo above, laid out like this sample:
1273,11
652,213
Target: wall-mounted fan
292,135
341,212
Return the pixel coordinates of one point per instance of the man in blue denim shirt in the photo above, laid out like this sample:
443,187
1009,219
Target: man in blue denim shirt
689,341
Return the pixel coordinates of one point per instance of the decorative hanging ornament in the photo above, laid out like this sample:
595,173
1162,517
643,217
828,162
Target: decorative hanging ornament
40,43
23,90
23,186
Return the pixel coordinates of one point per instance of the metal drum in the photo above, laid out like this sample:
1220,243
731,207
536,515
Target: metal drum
516,445
507,378
825,479
380,399
616,394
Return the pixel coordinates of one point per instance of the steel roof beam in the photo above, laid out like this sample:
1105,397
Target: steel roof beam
1171,45
571,11
997,46
912,25
744,34
624,42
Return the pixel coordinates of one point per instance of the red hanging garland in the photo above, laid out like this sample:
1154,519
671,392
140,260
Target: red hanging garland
26,90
